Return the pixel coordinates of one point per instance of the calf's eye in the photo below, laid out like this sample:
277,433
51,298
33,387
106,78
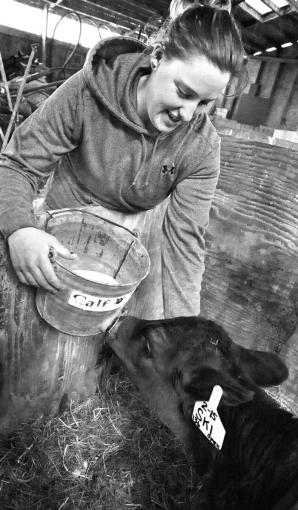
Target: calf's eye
146,348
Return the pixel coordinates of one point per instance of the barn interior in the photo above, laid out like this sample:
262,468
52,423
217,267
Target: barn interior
250,284
64,30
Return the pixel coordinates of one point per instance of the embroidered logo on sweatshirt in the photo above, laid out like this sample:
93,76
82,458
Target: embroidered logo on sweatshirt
168,169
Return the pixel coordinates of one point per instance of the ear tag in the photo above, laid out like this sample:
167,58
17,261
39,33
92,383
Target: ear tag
206,418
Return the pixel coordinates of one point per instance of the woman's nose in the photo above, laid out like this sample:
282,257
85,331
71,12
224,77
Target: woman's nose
189,110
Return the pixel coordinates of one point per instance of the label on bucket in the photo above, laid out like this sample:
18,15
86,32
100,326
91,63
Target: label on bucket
96,303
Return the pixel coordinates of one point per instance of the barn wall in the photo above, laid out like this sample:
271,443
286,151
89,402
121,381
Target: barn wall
250,285
291,112
271,98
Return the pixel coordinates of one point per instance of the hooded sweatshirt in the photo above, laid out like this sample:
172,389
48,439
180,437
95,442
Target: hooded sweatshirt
89,132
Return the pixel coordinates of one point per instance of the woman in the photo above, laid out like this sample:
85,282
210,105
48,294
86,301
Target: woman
125,134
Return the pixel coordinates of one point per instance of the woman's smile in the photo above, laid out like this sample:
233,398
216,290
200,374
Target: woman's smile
174,117
175,89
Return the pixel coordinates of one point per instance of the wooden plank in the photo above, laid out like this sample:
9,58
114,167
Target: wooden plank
254,69
250,284
281,95
273,6
269,77
255,14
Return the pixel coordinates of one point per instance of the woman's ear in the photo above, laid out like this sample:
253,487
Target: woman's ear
154,63
156,55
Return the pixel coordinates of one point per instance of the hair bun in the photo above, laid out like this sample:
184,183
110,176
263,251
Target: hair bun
177,7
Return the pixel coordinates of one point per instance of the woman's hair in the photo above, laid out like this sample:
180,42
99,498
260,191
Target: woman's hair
179,6
206,31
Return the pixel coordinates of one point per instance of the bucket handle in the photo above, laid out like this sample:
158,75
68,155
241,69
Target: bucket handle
58,212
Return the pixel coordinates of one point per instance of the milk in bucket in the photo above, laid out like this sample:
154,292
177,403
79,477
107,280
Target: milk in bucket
96,276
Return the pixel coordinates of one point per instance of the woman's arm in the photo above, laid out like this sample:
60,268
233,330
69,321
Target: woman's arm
183,246
34,149
53,130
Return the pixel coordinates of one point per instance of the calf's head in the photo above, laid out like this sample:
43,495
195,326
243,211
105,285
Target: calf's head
176,362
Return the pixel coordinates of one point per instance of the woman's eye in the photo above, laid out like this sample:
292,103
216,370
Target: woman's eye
183,94
204,102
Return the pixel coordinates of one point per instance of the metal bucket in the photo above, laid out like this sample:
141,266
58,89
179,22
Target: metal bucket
104,249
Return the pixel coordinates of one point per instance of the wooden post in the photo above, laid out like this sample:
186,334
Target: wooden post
41,368
281,95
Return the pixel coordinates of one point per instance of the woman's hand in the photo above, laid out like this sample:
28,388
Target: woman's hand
29,252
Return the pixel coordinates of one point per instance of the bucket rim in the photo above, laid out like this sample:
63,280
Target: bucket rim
135,282
83,212
67,211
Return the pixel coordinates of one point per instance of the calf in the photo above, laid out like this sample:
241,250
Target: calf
176,362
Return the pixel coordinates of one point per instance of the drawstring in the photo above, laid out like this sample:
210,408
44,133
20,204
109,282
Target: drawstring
152,158
143,161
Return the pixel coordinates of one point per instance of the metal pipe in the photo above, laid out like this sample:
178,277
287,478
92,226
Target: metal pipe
4,79
123,259
19,96
45,86
44,32
275,59
119,20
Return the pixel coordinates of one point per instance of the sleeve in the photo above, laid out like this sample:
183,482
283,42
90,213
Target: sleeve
183,246
34,149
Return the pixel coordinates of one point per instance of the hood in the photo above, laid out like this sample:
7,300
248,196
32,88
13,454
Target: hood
111,71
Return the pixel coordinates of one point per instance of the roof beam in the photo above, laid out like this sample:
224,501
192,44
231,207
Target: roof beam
278,34
272,6
255,14
100,13
256,45
257,40
287,9
294,4
275,59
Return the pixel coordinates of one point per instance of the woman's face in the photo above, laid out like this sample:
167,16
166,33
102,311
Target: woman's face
177,89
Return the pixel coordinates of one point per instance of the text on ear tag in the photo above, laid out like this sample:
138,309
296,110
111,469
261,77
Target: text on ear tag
206,418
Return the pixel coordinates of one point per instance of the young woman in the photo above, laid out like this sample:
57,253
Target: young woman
129,135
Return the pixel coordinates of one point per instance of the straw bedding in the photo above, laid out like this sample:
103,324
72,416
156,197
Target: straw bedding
106,453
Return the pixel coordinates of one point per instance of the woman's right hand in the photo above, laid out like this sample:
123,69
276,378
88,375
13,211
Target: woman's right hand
29,252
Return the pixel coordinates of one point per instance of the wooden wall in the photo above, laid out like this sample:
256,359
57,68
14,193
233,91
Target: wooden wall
271,98
250,284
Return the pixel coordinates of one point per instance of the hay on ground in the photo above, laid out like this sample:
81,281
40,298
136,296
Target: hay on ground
106,453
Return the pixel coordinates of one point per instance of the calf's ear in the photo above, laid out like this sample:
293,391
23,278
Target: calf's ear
264,368
202,382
